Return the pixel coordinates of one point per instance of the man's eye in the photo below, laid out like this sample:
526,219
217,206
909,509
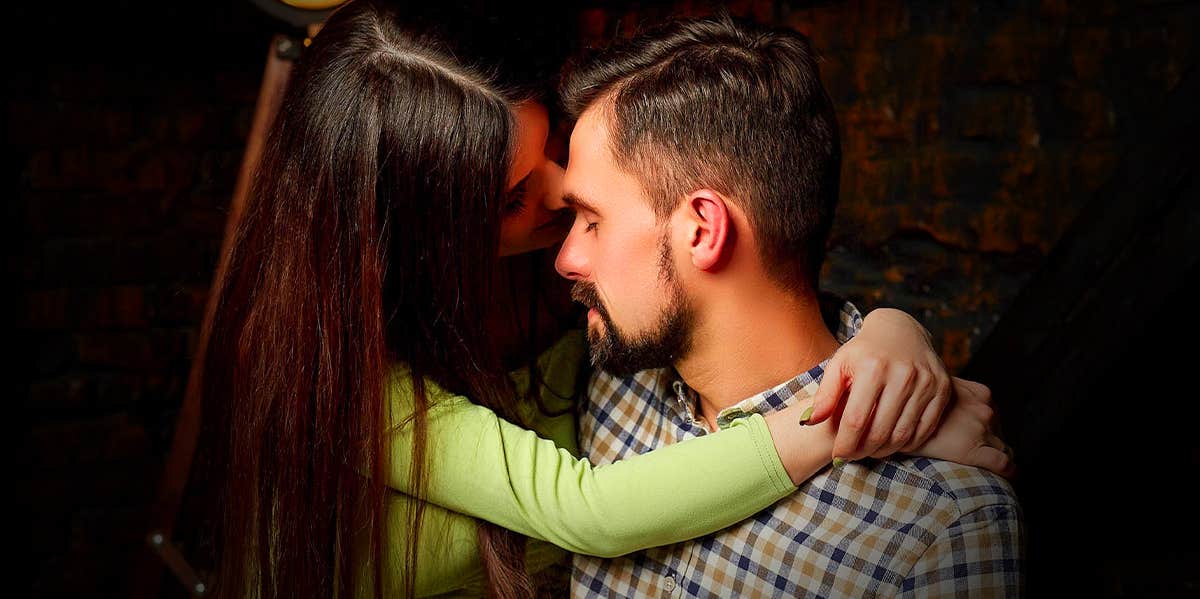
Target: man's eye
591,227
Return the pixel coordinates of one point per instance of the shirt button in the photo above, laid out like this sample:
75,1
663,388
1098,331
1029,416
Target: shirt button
669,584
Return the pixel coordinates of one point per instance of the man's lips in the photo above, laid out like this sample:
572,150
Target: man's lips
595,319
586,295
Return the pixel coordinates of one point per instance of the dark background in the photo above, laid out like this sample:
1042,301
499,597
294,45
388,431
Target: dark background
1019,175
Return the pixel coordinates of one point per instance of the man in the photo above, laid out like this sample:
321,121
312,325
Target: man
704,171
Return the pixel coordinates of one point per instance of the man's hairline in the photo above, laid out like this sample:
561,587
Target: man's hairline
603,109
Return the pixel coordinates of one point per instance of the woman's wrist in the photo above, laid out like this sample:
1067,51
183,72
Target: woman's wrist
804,449
895,318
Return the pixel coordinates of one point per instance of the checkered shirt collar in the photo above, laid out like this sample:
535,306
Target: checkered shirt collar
798,388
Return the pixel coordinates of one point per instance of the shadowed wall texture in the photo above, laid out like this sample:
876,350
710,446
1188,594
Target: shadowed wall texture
973,134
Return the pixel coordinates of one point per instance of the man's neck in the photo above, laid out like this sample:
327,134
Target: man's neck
753,342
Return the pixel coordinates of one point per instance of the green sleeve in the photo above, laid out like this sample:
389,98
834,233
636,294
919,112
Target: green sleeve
483,466
447,553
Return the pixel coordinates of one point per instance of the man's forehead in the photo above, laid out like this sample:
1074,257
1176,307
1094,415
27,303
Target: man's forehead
589,138
594,180
588,158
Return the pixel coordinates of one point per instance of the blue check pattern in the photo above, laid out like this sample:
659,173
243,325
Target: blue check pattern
902,527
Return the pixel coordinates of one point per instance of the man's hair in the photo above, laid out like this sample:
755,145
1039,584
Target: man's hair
731,106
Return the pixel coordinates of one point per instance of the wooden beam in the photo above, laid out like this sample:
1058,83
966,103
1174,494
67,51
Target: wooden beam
159,551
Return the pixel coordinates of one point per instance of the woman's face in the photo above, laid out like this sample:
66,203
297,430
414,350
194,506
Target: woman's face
532,213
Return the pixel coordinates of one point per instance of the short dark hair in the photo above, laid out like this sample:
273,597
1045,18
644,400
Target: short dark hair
729,105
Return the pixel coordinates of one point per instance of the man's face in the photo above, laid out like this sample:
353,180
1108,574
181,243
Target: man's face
620,257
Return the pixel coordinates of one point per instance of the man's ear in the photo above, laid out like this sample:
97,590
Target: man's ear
710,229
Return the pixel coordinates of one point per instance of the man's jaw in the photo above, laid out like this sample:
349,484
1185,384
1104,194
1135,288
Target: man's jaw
624,354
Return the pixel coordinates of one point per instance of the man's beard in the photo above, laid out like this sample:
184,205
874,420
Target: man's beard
668,340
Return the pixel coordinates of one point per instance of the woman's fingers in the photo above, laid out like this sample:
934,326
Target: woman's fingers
830,392
868,382
930,416
998,460
902,390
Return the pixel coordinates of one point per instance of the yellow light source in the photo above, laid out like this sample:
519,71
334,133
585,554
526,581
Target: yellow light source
313,4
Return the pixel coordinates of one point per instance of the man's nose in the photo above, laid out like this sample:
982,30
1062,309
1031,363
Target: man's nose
572,262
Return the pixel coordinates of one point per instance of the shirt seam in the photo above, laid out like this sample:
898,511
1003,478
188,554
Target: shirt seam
948,526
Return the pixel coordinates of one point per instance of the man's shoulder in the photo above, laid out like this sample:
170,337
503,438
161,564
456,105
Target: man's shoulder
936,484
970,487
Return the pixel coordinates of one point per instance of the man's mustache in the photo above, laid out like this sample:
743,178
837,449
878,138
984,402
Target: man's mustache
586,294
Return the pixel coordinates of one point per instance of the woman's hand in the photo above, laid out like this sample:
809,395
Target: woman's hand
895,386
966,435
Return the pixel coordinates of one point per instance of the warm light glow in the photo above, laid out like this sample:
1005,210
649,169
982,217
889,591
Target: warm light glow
313,4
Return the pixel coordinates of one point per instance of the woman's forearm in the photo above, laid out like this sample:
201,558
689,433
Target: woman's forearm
485,467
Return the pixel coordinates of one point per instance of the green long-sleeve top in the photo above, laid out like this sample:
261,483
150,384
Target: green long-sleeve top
481,466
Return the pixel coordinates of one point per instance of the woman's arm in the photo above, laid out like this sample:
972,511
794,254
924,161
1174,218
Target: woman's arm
483,466
486,467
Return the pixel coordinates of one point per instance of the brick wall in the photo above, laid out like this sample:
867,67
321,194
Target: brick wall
973,133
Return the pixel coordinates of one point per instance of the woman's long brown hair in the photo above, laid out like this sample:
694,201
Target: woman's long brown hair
369,239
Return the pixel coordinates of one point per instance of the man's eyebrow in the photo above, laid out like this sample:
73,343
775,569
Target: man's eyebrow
576,202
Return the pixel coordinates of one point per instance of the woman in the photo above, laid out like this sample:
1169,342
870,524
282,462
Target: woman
355,361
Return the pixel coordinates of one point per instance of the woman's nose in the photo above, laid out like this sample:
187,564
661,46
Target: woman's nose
552,199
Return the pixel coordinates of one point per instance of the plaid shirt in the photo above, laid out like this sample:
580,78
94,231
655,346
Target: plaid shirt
906,527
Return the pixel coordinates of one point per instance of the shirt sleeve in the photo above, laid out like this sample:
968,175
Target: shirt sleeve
978,555
483,466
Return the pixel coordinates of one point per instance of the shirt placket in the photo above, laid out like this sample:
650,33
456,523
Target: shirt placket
678,569
687,566
683,407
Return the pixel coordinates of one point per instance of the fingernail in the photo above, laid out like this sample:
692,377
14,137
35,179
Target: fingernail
806,414
838,462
